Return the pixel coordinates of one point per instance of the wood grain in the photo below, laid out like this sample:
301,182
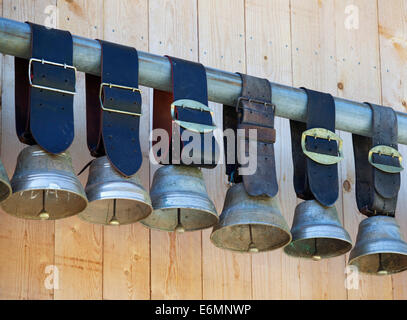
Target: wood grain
175,258
126,251
393,54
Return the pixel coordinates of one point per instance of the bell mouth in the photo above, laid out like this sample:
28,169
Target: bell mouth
5,190
318,248
381,264
185,219
127,211
60,204
264,237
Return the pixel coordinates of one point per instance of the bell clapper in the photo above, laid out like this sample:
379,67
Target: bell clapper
179,228
252,246
315,256
114,221
381,271
43,215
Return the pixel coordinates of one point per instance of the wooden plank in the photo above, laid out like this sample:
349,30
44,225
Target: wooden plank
126,252
393,54
226,275
27,247
175,258
314,67
274,275
358,74
79,245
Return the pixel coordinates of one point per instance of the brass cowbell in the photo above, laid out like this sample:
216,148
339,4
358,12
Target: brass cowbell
180,200
44,186
380,248
250,224
317,232
113,198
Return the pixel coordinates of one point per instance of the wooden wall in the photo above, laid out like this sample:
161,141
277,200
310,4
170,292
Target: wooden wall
295,42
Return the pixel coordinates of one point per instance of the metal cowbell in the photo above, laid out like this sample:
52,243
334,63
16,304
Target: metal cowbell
5,187
250,224
380,248
45,186
317,232
113,198
180,200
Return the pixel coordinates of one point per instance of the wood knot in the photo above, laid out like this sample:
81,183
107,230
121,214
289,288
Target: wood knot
347,186
340,85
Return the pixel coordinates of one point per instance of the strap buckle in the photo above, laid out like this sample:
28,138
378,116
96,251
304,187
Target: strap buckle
386,151
322,133
42,61
250,100
191,126
111,85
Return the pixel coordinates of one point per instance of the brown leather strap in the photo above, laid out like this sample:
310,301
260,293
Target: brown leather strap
255,111
376,190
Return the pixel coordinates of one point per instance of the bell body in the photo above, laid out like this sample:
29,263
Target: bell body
250,224
380,248
5,187
44,178
180,200
113,198
317,232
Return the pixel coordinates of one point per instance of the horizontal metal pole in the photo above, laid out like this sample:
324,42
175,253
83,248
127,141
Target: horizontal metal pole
223,87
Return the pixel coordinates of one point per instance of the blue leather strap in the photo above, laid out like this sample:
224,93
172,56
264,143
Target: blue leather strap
113,109
44,108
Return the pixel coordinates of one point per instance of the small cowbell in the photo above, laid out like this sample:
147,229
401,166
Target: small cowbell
317,232
380,248
180,200
5,187
250,224
113,198
45,186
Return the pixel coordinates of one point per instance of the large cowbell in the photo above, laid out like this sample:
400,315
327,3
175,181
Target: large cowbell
250,224
380,248
317,232
113,198
180,200
44,186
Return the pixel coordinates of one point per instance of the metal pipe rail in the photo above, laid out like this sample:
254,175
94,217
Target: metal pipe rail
223,87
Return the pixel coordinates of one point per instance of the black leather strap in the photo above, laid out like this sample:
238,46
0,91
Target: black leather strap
114,129
44,108
189,82
376,190
313,180
254,111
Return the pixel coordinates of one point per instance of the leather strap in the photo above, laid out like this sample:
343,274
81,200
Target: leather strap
376,190
113,119
254,111
44,108
313,180
188,82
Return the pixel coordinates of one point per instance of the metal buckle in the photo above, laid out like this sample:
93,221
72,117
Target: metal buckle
322,133
387,151
64,65
270,104
111,85
191,126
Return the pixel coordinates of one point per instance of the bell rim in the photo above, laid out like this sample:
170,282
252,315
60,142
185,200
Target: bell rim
151,226
223,228
84,198
297,253
7,184
353,263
